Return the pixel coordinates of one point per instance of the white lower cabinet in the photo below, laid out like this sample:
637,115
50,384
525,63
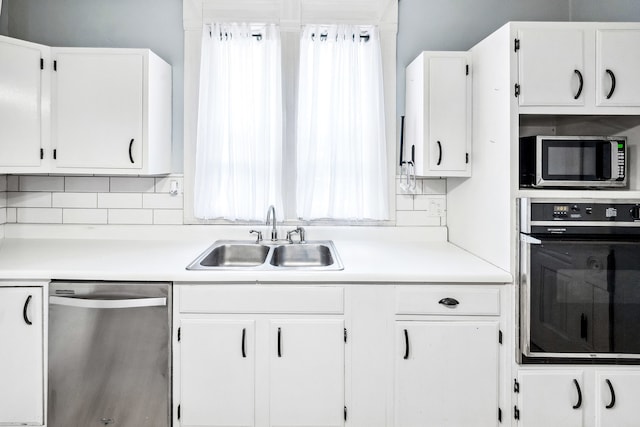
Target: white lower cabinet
447,356
262,362
21,356
582,397
447,373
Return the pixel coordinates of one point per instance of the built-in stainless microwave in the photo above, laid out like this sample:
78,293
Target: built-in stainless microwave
573,161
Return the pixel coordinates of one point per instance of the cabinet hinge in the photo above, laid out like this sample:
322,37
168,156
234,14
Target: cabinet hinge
517,90
345,335
516,386
345,413
466,157
179,334
499,415
466,69
55,65
516,413
500,336
178,411
516,45
55,154
42,63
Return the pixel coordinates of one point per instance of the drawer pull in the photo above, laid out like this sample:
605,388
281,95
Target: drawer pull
406,344
24,311
449,302
279,342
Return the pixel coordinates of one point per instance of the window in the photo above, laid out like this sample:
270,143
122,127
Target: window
361,170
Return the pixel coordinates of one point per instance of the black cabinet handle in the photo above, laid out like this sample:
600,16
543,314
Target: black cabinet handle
581,84
613,395
583,326
449,302
406,344
439,153
279,343
130,152
613,83
579,404
24,311
244,334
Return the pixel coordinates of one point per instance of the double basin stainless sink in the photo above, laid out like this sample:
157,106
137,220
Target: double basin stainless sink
246,255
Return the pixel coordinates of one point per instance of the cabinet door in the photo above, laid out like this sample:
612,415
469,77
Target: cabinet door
617,66
98,110
448,127
307,373
551,64
617,398
20,103
551,398
217,373
446,374
21,356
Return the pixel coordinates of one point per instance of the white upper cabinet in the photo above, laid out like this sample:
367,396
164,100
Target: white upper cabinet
83,110
618,67
23,90
111,111
438,114
551,66
577,68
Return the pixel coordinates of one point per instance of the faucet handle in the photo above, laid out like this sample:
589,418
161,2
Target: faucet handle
259,233
301,232
290,233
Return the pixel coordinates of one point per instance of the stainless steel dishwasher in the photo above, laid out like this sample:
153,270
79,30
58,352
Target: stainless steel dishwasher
109,354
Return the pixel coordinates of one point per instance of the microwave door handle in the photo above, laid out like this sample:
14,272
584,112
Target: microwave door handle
108,303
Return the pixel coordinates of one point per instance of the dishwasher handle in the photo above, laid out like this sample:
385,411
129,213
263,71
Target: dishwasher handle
108,303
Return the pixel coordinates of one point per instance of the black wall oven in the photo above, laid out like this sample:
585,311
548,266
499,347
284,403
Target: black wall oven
579,281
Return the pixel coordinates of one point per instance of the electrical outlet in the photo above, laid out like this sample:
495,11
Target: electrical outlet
436,206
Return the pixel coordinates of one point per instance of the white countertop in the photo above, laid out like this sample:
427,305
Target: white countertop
403,259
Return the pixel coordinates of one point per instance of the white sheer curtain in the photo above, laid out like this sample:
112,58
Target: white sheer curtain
341,147
239,141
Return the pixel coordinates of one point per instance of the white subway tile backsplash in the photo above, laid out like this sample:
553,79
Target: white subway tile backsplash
86,184
162,201
41,183
119,200
84,216
3,216
3,200
3,183
132,184
404,202
130,216
415,219
74,200
168,216
29,200
39,215
13,183
434,186
434,205
11,215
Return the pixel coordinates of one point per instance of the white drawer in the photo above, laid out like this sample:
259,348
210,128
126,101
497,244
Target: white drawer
448,300
260,299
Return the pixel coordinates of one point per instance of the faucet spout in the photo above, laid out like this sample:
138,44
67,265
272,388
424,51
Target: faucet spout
271,216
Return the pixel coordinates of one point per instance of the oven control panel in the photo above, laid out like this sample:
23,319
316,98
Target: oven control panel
586,211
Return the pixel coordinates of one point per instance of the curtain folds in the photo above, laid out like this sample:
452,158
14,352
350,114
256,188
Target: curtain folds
341,146
239,136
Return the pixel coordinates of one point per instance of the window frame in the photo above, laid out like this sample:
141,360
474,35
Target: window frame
291,16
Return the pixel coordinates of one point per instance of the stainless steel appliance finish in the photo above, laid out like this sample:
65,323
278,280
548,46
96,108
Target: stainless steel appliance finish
109,354
249,255
573,161
579,281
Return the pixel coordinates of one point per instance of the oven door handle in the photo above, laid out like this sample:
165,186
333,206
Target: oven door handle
525,238
108,303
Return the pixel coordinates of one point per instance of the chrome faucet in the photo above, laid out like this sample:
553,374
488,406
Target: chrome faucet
271,216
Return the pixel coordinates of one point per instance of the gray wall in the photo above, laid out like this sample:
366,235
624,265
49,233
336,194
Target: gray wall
154,24
601,10
4,20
